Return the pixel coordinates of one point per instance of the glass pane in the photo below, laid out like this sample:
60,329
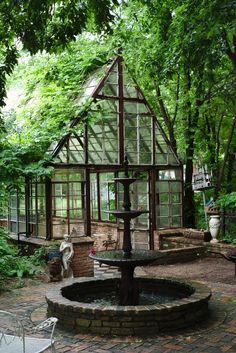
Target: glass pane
62,155
176,221
110,89
163,186
66,175
130,91
176,210
94,196
130,107
161,158
176,198
176,186
13,227
22,227
163,198
103,144
163,210
76,213
42,229
13,200
13,214
113,77
163,222
145,158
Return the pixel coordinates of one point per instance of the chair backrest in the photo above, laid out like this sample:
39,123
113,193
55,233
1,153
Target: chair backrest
10,329
47,325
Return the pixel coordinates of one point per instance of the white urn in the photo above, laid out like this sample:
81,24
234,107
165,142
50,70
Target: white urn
214,227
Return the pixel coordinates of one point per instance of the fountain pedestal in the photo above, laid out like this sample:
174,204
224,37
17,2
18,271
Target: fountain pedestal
129,289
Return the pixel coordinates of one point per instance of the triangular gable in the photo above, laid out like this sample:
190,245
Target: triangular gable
122,123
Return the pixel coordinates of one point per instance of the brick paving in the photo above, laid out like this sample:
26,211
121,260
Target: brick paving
216,334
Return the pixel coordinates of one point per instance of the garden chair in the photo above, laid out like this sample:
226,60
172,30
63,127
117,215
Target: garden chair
14,340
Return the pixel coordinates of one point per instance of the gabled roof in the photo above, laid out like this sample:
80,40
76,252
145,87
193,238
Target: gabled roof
121,122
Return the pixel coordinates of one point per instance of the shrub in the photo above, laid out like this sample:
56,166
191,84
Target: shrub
227,200
13,264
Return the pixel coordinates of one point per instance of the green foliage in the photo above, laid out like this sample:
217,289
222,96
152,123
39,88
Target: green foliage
199,211
46,25
183,56
13,264
228,238
227,200
49,87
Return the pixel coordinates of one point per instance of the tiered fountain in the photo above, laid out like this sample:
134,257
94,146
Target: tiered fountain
112,306
127,259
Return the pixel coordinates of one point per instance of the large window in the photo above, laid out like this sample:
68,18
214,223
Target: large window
102,189
37,208
138,133
103,137
67,202
169,199
17,211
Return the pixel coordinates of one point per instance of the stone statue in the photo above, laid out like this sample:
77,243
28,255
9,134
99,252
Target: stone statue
66,248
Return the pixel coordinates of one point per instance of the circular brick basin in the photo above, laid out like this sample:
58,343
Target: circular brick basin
64,302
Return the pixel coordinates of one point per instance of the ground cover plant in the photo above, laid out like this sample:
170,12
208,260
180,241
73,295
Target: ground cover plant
15,266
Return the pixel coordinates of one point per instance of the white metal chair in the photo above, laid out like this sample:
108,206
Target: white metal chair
14,340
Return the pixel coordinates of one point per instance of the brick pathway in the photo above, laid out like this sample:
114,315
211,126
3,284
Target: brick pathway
217,334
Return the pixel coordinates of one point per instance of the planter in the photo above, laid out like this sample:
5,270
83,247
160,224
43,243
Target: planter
214,227
53,253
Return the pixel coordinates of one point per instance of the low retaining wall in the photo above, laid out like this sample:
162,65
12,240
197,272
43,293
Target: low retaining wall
183,236
127,320
177,255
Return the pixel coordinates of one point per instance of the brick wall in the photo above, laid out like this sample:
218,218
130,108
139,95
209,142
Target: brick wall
82,265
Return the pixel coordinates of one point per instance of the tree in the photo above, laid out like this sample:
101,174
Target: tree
50,85
188,49
46,25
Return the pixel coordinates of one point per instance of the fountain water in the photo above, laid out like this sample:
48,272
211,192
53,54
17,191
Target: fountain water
77,303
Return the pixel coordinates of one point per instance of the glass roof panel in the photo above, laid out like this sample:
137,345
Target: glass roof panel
130,89
164,153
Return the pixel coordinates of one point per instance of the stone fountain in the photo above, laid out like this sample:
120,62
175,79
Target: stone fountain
86,304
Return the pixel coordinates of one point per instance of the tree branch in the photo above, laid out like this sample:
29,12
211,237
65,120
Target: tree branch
176,100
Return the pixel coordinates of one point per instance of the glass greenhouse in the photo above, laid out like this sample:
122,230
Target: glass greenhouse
117,122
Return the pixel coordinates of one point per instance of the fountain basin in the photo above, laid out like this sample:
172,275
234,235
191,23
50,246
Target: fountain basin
117,258
190,307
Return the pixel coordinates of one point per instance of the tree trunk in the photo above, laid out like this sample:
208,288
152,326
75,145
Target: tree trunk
189,207
231,162
226,156
191,125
